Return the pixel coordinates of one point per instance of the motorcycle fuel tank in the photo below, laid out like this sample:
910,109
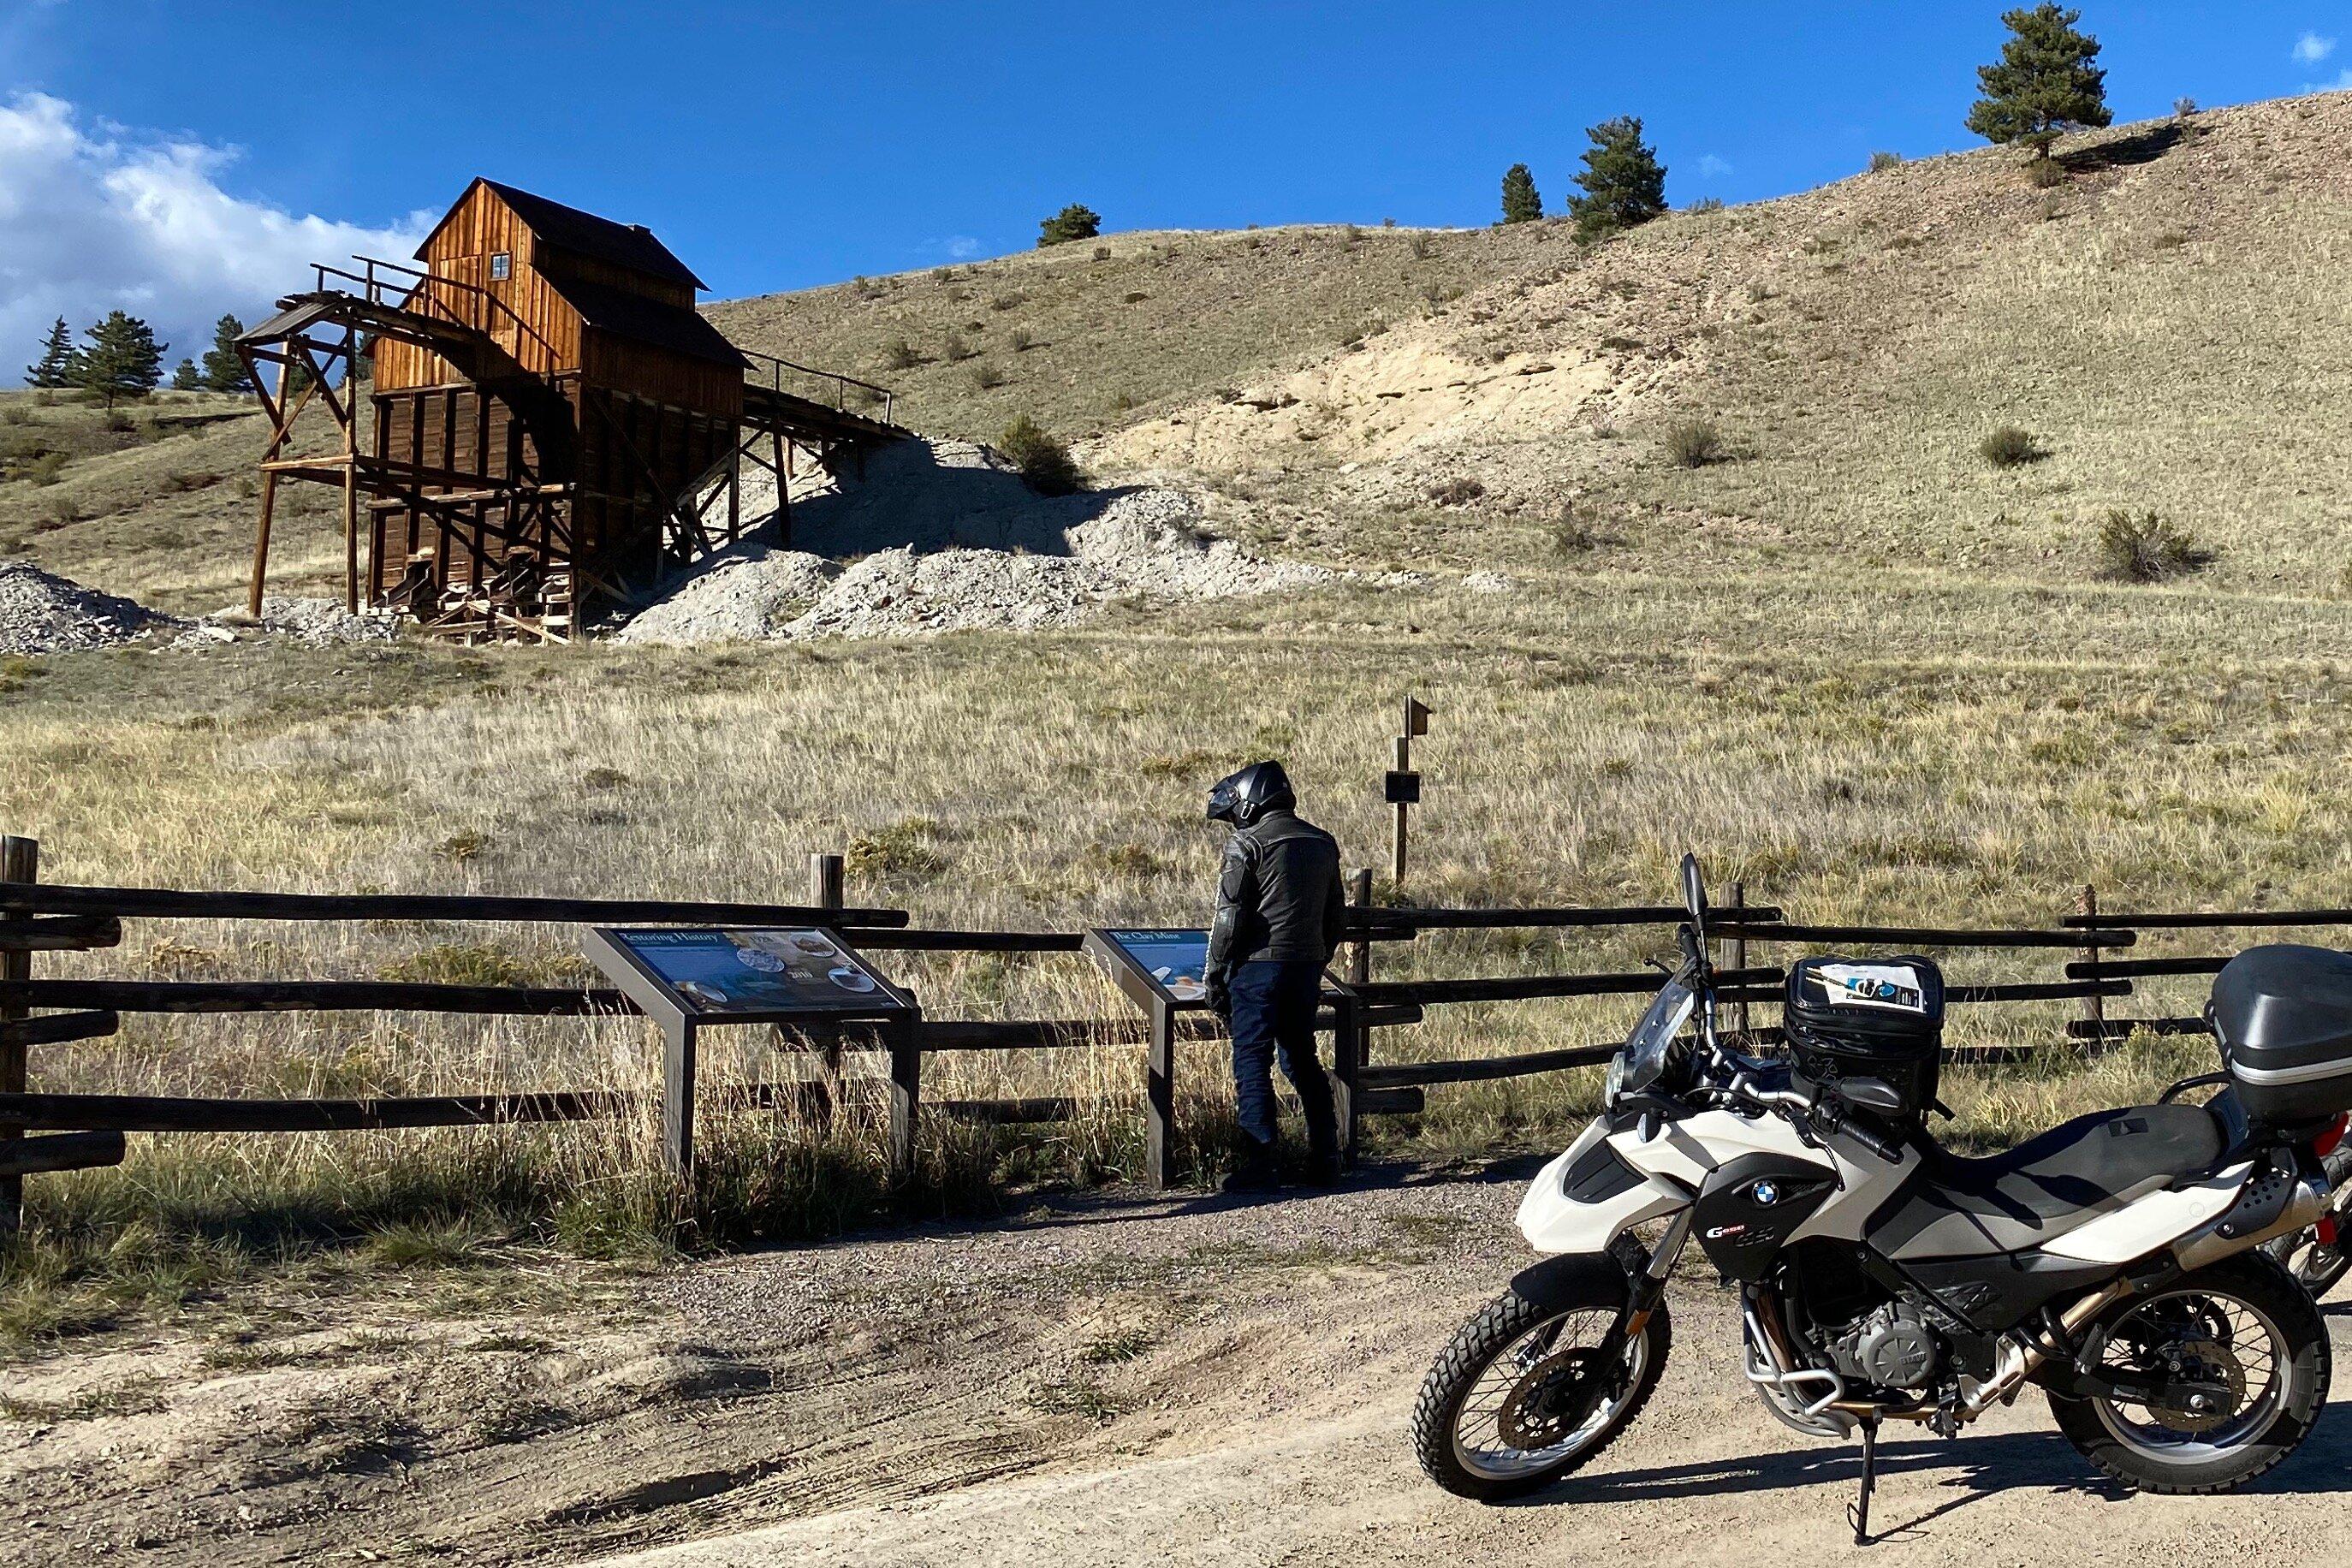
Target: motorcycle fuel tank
1748,1209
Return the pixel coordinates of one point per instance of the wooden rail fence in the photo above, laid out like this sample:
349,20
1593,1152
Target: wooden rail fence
43,1132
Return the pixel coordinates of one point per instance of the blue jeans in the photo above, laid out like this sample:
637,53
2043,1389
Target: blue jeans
1274,1015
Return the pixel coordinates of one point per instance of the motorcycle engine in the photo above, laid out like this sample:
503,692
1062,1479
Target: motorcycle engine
1891,1347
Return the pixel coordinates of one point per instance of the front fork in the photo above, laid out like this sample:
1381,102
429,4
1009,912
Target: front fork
1650,1285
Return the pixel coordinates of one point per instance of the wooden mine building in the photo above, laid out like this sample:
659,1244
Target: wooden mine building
555,427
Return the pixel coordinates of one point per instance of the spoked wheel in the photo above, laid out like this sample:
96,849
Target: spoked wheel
1525,1392
2318,1258
2242,1362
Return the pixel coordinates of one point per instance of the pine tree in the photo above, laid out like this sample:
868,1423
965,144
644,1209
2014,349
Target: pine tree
2045,83
185,378
1624,184
1520,202
123,359
56,367
1075,221
223,371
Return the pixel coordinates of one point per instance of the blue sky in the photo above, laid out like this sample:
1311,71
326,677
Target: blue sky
782,145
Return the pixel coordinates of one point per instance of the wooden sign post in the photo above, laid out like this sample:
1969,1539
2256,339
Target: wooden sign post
1403,787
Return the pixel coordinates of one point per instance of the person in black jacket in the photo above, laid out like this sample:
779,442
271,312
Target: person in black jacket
1281,911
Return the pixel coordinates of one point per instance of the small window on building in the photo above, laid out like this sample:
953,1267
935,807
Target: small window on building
502,265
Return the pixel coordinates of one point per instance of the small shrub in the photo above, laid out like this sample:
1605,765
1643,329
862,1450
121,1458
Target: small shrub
903,848
2011,447
1423,246
986,376
1882,162
185,479
2184,107
1135,296
15,414
45,468
1459,491
1012,301
119,423
2145,549
63,512
1704,205
1102,253
900,354
1040,456
955,348
2047,174
1569,534
1694,444
1021,340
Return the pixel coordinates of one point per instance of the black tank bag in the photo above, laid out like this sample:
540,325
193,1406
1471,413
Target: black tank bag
1882,1018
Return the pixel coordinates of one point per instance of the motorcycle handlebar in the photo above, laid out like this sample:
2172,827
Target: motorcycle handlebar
1807,1115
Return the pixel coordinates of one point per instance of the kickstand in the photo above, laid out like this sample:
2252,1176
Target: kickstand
1859,1513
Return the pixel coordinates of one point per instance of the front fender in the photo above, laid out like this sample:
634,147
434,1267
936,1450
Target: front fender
1590,1196
1574,1280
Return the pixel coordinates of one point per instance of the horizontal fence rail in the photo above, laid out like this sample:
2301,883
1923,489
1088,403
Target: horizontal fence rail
165,903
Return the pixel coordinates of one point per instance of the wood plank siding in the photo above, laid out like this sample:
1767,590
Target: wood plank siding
595,394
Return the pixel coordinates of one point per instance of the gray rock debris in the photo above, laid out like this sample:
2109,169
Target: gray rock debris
41,612
942,536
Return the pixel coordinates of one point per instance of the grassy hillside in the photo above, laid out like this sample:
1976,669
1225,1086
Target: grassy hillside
1132,323
1847,658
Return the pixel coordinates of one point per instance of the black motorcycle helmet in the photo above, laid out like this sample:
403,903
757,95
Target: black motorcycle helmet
1250,794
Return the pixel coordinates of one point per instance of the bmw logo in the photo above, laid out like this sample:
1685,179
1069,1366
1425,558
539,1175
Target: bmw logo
1764,1194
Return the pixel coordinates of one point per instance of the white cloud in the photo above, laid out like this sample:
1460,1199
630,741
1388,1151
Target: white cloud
2311,48
95,218
1711,167
962,247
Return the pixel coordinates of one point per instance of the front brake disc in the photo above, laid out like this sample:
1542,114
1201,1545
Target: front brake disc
1555,1397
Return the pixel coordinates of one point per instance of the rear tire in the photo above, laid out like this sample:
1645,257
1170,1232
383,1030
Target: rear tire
2317,1265
1470,1364
2244,1320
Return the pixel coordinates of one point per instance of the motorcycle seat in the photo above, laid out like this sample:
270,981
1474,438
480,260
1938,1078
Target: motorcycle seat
2047,1185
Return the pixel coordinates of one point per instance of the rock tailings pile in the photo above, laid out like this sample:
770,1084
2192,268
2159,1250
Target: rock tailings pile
944,536
41,612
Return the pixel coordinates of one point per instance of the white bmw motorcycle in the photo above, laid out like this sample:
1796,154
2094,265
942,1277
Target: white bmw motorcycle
2116,1261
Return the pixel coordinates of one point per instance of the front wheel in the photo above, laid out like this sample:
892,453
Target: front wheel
2241,1357
1525,1392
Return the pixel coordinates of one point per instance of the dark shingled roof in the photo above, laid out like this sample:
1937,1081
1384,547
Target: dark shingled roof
632,245
670,327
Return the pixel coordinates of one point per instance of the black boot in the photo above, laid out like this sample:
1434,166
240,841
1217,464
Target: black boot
1253,1168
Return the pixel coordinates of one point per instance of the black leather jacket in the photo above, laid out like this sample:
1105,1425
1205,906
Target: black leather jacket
1278,896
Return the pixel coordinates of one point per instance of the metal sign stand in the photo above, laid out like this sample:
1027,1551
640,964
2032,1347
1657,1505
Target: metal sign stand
681,1019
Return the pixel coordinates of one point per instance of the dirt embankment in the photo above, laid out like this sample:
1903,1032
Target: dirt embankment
1118,1380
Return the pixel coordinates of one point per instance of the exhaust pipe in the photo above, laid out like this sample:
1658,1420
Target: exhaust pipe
2243,1227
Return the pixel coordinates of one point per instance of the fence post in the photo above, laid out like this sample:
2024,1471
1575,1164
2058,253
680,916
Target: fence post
1351,1041
2094,1007
1739,958
20,861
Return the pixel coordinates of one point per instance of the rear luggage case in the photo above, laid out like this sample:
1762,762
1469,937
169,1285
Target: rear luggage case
2284,1016
1882,1018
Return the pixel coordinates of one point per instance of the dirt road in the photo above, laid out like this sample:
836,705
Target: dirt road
1110,1381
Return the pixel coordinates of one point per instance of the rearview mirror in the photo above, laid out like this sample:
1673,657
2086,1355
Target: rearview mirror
1695,895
